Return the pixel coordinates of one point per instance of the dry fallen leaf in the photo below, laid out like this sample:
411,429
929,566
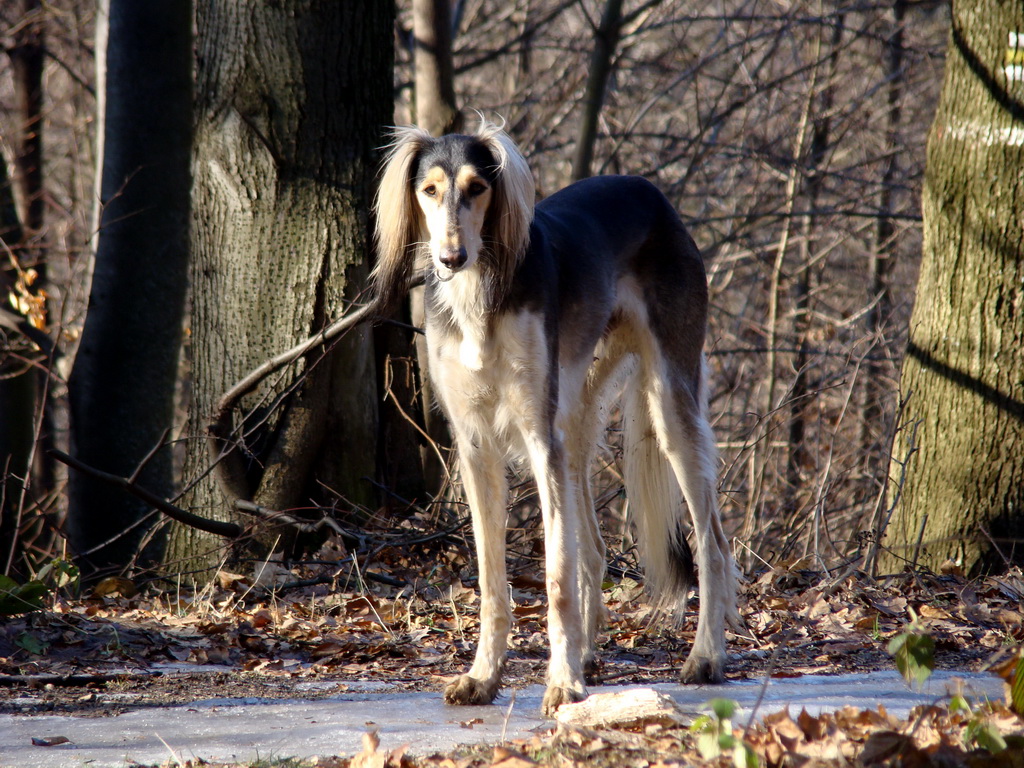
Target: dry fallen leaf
370,757
228,580
115,585
50,741
507,758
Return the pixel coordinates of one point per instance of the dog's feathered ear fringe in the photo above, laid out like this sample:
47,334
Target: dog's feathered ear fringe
511,210
397,219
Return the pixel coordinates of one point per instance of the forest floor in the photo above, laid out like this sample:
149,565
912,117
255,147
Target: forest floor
296,629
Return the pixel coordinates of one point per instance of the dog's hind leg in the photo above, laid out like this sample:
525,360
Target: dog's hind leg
590,566
675,398
483,475
583,437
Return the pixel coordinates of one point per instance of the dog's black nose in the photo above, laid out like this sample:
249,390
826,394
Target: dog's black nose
453,258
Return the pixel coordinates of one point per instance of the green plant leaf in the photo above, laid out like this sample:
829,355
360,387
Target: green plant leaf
960,704
701,723
743,756
65,573
1016,695
31,643
915,656
984,735
724,709
707,744
18,598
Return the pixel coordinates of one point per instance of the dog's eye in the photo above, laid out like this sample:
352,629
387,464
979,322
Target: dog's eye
476,188
430,190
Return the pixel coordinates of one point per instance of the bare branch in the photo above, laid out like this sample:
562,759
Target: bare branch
216,527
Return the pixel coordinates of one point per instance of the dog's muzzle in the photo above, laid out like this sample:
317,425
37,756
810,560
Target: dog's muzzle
453,258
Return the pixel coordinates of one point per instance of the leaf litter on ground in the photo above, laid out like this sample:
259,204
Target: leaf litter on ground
321,623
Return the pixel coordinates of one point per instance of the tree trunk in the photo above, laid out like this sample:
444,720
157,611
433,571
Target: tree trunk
291,101
17,405
436,110
606,39
27,64
21,226
874,428
964,371
817,163
123,384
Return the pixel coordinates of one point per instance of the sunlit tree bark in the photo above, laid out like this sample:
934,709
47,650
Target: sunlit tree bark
964,371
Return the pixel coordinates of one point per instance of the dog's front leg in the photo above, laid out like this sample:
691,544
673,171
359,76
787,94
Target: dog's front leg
562,532
483,475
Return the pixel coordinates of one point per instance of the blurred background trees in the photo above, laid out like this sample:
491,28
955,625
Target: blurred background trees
791,137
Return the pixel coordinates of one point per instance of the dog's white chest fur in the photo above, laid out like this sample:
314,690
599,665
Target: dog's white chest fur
463,295
490,373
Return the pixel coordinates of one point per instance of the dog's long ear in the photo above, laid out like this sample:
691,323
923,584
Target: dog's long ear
397,218
512,205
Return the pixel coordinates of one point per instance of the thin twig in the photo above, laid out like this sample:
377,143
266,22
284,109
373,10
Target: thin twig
277,517
380,578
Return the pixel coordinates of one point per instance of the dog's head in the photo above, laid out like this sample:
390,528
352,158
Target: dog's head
465,199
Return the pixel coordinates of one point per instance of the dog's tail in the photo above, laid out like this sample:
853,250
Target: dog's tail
655,506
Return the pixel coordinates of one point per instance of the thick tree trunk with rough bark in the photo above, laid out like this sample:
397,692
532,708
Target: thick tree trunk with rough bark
123,385
291,101
964,372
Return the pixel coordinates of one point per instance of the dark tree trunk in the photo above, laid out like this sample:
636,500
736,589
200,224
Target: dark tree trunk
436,109
123,384
27,65
606,40
964,372
17,404
292,99
21,227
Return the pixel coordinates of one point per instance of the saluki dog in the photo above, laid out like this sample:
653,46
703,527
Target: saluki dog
535,319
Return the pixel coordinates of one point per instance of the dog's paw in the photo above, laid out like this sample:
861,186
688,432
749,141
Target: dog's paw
469,690
555,696
701,670
592,669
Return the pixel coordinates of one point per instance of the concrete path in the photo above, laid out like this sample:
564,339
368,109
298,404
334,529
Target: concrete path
246,729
